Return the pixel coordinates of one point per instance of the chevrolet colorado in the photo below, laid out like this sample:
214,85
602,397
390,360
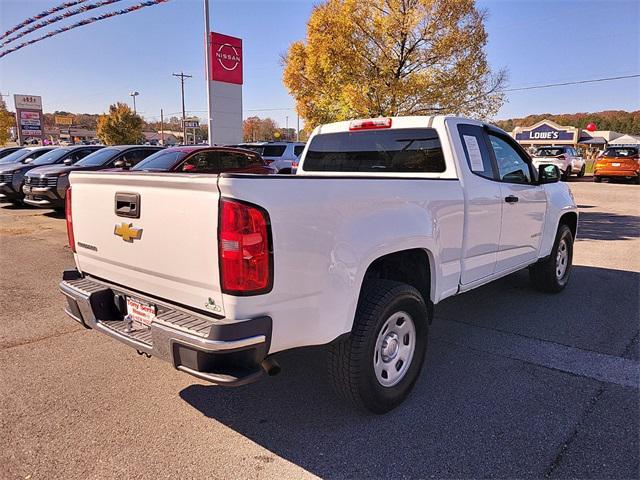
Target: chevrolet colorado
385,218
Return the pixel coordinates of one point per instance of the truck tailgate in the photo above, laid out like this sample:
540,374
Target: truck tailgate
169,251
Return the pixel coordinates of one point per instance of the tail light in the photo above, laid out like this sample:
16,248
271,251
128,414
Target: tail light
69,217
370,124
295,164
244,239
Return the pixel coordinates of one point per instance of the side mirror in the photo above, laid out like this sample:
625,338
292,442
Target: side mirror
67,161
120,164
548,174
28,160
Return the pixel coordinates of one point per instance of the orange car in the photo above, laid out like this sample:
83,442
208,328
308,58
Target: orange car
618,162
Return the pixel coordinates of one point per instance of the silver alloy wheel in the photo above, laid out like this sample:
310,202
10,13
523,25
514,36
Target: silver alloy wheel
395,346
562,259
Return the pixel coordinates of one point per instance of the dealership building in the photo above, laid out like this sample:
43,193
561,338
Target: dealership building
546,132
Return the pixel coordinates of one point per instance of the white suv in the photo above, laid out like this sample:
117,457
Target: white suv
567,159
279,155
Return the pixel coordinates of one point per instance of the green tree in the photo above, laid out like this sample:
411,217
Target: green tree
120,126
365,58
7,121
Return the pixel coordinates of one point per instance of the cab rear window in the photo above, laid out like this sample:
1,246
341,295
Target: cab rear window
402,150
273,150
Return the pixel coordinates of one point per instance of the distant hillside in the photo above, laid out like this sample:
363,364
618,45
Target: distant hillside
616,120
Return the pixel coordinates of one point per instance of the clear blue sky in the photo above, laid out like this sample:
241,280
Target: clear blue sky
86,69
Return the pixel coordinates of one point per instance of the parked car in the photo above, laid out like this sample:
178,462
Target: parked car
279,155
618,162
8,150
12,170
205,159
385,218
567,159
56,177
42,186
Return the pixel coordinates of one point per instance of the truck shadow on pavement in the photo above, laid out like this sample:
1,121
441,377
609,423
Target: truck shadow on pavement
607,226
472,413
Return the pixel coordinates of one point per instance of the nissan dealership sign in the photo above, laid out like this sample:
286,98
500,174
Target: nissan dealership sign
226,88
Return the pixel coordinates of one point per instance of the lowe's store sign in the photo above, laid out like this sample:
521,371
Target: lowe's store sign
546,132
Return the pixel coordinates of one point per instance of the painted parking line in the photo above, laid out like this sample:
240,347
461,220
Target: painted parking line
585,363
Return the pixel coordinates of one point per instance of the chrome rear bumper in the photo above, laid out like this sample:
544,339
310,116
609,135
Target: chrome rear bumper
222,351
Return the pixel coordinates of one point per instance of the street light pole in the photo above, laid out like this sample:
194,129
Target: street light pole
133,95
182,76
207,74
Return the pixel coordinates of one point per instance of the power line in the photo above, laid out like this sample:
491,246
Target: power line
577,82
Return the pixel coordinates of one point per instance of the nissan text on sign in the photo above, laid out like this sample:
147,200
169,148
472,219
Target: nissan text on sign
226,88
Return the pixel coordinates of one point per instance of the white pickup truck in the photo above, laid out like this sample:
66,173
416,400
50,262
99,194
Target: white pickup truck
384,219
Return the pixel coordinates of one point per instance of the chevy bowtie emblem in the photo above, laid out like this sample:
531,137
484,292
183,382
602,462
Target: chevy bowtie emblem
128,232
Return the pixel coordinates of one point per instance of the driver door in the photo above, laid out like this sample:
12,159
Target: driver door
524,205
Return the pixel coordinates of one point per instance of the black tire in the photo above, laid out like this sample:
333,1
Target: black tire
351,360
582,170
637,179
284,171
544,274
566,174
597,179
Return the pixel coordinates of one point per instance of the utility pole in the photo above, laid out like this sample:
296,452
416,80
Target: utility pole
182,76
298,129
286,129
161,127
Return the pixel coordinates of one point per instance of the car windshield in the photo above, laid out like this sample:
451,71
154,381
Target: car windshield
399,150
549,152
99,158
162,160
620,152
15,156
51,157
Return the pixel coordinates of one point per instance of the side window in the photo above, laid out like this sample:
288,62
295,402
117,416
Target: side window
134,157
512,167
80,154
297,150
476,151
37,154
201,162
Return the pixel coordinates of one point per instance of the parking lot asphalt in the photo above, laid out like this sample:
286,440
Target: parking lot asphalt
516,383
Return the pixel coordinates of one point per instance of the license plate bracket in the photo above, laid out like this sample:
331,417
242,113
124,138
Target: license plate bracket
140,312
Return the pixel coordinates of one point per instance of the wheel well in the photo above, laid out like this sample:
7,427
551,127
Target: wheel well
408,266
570,220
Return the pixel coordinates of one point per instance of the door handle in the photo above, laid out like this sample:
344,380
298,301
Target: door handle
127,205
511,199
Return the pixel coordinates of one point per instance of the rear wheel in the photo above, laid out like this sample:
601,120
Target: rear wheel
597,179
552,275
582,170
376,367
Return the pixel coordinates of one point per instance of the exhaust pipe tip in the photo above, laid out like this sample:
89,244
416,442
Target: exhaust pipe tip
271,366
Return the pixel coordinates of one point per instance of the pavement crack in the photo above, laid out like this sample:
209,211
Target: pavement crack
37,340
574,433
629,345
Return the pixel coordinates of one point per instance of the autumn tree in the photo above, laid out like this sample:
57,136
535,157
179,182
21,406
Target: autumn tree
259,129
366,58
120,126
7,121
